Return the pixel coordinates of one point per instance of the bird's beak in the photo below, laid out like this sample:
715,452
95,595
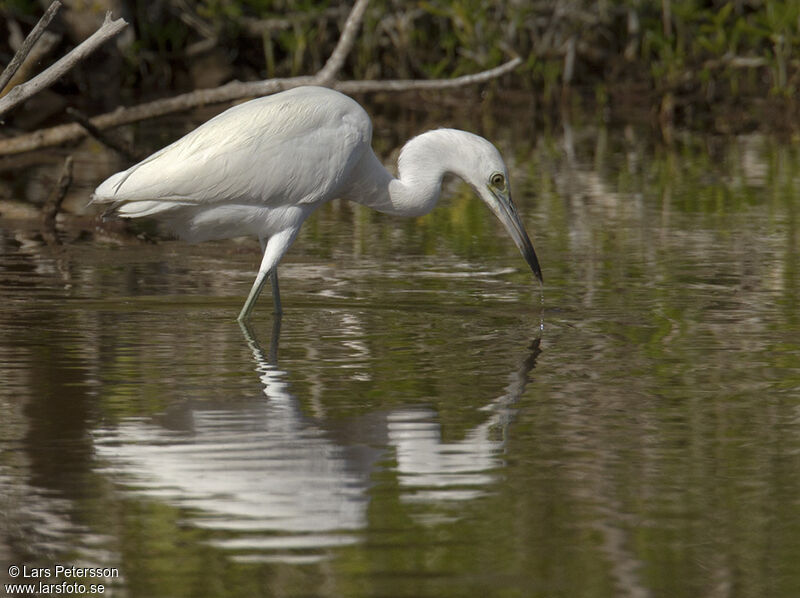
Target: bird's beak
501,204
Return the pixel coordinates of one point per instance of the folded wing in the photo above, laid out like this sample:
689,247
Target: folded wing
290,148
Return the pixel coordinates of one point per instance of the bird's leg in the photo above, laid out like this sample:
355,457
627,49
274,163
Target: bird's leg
261,278
276,293
274,249
258,284
273,276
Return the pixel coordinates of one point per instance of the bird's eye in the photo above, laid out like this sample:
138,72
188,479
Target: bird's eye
498,180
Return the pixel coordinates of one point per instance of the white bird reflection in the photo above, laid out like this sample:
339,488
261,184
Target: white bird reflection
455,470
275,484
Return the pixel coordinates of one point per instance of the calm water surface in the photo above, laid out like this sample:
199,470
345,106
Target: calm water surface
427,423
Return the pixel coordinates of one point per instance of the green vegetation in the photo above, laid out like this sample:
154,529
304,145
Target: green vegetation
685,58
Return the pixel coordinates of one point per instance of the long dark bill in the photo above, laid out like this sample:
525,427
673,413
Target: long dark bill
510,219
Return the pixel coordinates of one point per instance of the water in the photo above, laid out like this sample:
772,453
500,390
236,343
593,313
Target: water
427,424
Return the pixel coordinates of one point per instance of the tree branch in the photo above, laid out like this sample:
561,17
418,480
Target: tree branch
346,40
259,27
232,91
26,47
424,84
122,116
46,78
236,90
53,203
124,149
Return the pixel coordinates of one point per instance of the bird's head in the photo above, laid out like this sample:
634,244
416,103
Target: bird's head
479,163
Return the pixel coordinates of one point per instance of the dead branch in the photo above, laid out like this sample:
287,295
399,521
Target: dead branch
53,203
259,27
232,91
122,116
346,40
49,76
423,84
236,90
41,49
21,54
122,148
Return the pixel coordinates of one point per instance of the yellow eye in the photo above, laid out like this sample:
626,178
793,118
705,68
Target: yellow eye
498,180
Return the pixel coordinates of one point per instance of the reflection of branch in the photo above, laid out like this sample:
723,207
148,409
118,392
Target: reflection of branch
49,76
236,90
27,45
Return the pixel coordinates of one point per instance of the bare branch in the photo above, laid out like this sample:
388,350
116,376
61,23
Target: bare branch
261,26
27,45
53,203
45,79
40,50
346,40
232,91
123,149
425,84
236,90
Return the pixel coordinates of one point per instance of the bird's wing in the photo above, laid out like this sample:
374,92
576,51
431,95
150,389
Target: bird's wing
294,147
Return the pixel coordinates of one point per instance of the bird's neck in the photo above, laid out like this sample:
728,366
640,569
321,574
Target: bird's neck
423,162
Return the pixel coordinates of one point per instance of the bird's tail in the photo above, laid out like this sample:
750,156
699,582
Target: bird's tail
118,205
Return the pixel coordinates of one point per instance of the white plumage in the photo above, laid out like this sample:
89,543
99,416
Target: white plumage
260,168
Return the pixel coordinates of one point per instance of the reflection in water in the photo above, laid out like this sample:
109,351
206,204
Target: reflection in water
277,481
258,466
42,524
656,455
455,470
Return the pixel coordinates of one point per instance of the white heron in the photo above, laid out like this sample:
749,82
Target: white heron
262,167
